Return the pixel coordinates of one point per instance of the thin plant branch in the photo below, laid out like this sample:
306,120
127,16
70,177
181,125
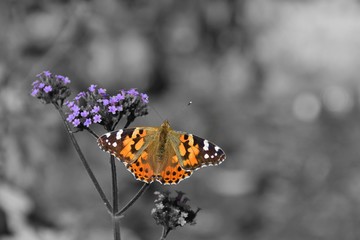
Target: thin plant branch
164,233
133,200
129,120
116,123
116,221
83,160
92,133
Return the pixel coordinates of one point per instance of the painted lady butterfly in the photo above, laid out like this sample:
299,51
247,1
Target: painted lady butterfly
160,153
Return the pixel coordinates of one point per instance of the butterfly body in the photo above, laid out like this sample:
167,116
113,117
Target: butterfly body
160,153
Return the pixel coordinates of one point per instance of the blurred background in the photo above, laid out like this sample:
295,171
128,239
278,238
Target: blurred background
275,83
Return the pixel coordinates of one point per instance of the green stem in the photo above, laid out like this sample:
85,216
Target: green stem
83,160
116,220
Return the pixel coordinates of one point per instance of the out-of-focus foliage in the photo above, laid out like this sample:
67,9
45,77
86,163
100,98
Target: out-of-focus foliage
274,83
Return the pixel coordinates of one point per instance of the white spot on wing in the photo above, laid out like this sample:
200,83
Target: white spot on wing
206,156
118,134
206,145
107,134
217,148
114,144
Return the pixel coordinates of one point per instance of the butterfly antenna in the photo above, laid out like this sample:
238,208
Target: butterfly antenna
181,110
157,113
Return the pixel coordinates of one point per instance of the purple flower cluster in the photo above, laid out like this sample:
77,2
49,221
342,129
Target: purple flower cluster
96,106
172,212
51,88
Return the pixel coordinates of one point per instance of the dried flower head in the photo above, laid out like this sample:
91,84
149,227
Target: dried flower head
95,106
51,88
172,212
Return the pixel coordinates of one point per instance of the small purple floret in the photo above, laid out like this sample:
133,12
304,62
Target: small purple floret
97,118
112,109
75,109
48,89
70,118
120,97
105,102
87,122
113,100
84,113
133,92
144,97
47,73
76,122
36,82
102,91
69,104
59,77
34,92
92,88
66,80
96,109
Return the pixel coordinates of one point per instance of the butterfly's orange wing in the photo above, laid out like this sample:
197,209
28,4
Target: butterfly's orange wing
194,152
134,147
171,171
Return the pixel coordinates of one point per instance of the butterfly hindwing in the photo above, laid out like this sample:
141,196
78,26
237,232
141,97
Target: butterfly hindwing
171,172
174,174
142,169
195,152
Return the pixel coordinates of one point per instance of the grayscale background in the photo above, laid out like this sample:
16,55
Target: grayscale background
275,83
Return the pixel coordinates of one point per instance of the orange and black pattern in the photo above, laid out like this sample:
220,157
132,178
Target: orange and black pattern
160,153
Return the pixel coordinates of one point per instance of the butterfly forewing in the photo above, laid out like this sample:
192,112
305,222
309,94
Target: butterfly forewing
127,144
195,152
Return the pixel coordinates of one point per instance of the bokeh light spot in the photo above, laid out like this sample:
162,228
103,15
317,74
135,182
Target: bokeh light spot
338,100
306,107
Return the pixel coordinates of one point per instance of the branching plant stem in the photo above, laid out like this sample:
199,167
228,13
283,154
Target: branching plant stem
84,162
133,200
114,208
